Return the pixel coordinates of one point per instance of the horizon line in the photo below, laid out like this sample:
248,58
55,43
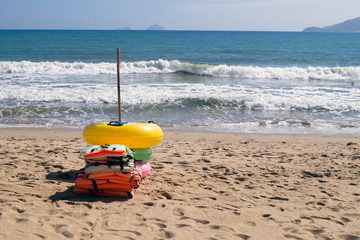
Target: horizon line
125,30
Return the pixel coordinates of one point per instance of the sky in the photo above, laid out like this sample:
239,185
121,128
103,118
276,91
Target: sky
240,15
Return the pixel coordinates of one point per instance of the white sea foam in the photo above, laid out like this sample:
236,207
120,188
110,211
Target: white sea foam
65,94
182,94
26,67
165,67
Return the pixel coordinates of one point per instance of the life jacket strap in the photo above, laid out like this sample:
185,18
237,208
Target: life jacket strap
78,173
129,194
132,177
95,186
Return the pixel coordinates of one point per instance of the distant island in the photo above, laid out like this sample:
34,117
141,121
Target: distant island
125,28
352,25
154,27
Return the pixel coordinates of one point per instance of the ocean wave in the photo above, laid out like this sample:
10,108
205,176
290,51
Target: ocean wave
176,66
35,116
186,95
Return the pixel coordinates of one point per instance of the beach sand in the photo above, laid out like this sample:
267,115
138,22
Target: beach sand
203,185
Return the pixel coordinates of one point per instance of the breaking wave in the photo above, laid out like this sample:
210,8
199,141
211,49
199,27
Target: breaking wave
176,66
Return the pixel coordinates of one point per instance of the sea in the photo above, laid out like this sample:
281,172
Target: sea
224,81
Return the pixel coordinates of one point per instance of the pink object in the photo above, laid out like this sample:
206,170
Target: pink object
144,168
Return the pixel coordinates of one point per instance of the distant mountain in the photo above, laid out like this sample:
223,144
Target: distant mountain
352,25
313,29
155,27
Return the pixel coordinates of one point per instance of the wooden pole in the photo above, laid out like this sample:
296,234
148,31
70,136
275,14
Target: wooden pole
118,83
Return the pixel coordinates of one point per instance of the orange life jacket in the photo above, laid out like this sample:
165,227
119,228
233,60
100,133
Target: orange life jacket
106,192
107,183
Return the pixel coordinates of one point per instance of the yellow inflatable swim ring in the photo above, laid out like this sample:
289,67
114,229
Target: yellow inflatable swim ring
133,135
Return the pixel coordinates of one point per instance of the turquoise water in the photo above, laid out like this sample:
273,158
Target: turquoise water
204,80
233,48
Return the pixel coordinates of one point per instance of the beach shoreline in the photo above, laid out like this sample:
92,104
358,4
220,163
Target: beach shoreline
77,132
203,185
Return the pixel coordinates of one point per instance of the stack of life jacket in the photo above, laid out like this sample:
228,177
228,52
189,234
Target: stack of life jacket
111,171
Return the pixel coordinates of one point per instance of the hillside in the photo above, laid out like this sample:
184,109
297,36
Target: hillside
155,27
352,25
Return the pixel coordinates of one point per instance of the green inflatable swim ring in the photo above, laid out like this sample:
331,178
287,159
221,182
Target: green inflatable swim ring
142,154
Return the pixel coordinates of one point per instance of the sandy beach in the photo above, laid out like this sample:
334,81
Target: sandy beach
203,185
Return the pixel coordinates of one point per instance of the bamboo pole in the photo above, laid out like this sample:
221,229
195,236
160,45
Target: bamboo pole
118,83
